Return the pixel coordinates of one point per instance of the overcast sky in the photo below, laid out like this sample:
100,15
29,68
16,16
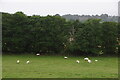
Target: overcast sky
52,7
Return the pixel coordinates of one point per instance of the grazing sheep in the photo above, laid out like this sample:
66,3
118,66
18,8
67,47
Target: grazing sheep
96,60
86,59
89,61
77,61
27,62
65,57
37,54
18,61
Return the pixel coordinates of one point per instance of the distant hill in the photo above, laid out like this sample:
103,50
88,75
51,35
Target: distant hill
103,17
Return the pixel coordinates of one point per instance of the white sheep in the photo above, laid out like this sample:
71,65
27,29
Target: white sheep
77,61
37,54
96,60
27,62
18,61
89,61
65,57
86,59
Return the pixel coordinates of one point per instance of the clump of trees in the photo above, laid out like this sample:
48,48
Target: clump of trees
56,35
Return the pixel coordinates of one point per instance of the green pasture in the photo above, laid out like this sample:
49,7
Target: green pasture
58,67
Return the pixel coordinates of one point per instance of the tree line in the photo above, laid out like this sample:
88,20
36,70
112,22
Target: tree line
82,18
56,35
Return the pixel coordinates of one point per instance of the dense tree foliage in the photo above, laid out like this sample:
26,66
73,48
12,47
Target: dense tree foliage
56,35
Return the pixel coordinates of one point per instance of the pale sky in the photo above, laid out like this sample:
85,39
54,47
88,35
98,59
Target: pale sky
62,7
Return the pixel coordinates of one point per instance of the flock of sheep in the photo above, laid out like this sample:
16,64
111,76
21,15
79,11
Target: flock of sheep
27,62
77,61
86,59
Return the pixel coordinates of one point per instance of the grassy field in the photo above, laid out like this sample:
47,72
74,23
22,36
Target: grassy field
58,67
